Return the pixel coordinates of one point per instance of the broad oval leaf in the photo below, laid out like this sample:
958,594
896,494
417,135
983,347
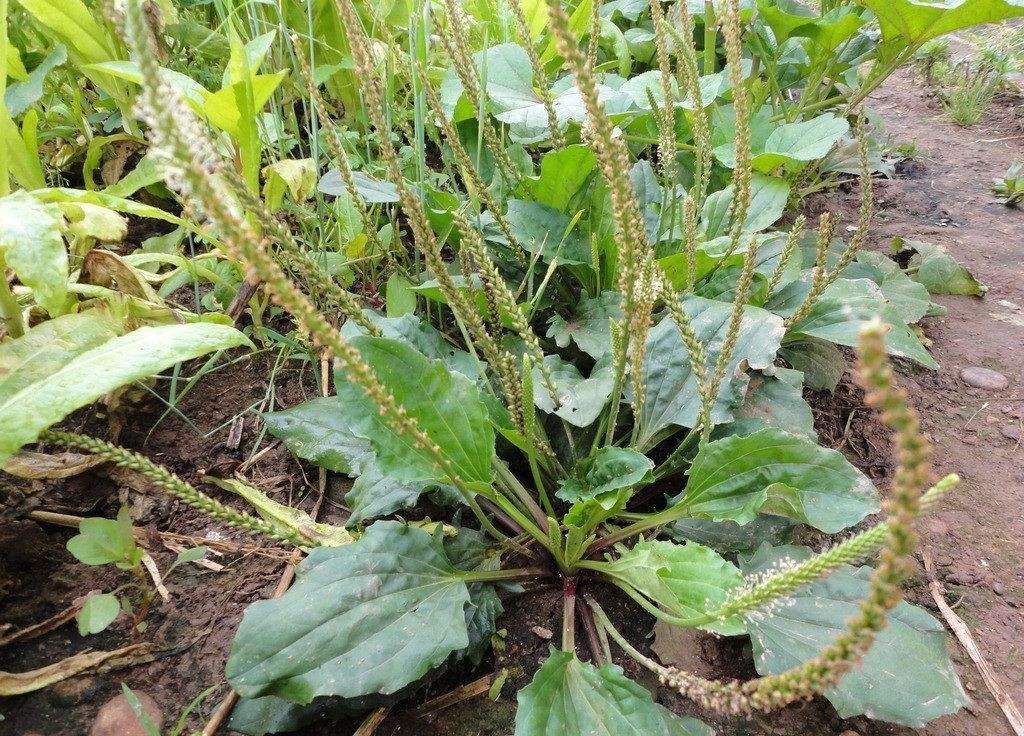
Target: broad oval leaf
581,399
97,613
320,431
800,142
672,397
84,379
686,580
775,400
568,697
912,22
842,310
589,327
446,405
906,677
609,469
768,197
779,473
545,230
370,617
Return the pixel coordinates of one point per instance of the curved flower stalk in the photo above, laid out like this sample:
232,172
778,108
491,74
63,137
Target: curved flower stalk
540,76
192,167
635,258
500,360
172,484
470,176
335,147
454,38
824,276
816,675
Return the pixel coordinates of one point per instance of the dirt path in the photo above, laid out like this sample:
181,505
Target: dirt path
976,535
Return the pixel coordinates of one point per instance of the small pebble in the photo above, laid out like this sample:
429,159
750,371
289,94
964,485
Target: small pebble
963,577
998,588
984,378
116,717
1011,432
542,632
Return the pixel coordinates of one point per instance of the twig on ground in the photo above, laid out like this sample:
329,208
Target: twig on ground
372,721
43,627
462,693
966,639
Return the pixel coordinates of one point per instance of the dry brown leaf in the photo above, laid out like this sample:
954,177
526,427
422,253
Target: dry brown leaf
42,466
19,683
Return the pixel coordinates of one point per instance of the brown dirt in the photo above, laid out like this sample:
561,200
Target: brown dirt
943,196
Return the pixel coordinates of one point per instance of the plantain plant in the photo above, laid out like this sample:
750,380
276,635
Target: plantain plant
593,377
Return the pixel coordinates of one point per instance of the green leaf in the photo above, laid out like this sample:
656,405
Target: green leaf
800,142
447,407
938,271
822,364
728,537
775,400
106,541
778,473
129,71
21,95
607,470
841,312
582,399
46,348
910,299
371,617
905,678
318,430
97,613
420,335
189,555
686,580
768,197
222,107
545,230
373,191
912,22
399,296
784,17
568,697
297,176
32,244
589,327
375,494
562,173
669,384
91,374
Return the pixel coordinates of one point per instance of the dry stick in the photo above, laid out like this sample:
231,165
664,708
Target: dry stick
242,296
369,726
228,704
966,639
462,693
43,627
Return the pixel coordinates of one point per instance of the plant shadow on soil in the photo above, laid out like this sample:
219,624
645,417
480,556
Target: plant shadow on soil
974,537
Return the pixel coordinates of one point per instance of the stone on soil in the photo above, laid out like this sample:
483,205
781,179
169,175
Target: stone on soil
984,378
116,717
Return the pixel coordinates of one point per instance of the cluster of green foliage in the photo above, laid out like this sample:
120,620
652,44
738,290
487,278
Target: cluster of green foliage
573,319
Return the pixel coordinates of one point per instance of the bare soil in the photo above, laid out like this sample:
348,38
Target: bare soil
942,196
